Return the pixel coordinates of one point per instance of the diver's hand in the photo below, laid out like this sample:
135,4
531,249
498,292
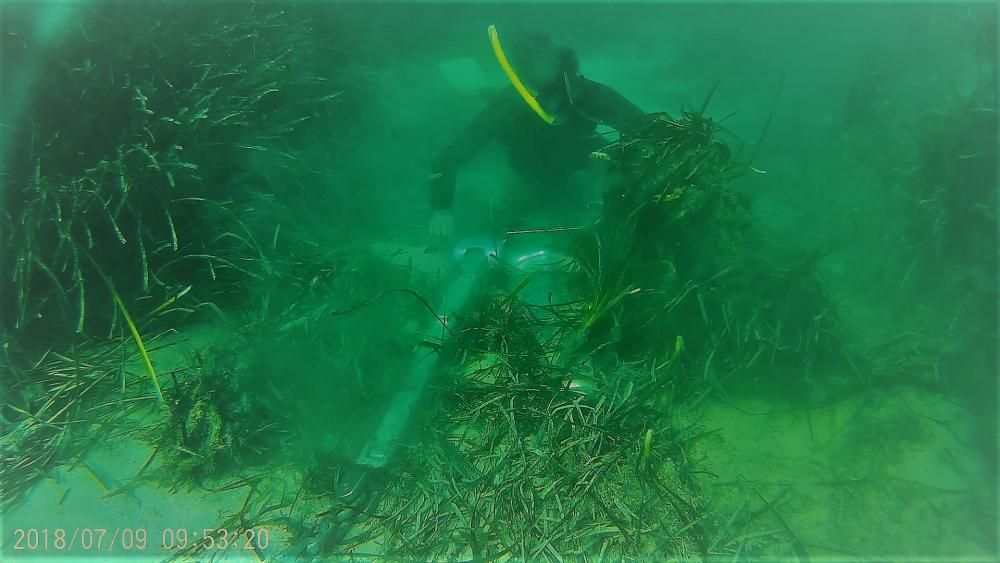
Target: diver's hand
442,224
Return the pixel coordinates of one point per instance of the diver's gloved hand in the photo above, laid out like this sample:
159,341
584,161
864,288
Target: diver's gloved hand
442,224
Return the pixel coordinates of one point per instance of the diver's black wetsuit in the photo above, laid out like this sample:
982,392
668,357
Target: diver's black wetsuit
542,153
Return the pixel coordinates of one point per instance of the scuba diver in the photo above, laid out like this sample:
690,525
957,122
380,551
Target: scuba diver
546,124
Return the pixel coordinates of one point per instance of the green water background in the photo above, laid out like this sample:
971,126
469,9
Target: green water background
857,82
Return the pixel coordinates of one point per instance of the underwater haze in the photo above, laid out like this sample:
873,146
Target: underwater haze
498,281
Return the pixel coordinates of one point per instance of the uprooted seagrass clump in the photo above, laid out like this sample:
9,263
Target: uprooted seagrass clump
674,254
218,424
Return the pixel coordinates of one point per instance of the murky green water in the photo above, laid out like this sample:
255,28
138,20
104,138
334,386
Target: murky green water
455,281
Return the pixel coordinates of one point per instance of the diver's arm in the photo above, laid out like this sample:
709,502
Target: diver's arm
465,146
605,105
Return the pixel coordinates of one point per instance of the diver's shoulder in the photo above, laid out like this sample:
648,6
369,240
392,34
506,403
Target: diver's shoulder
587,85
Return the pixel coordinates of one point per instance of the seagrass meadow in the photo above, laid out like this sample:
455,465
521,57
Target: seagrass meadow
769,334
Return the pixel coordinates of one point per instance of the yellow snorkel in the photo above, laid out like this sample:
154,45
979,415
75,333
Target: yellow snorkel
526,95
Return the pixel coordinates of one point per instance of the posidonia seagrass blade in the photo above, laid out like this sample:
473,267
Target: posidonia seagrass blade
139,344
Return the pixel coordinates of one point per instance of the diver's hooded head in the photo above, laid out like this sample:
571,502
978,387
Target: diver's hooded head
541,63
543,73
